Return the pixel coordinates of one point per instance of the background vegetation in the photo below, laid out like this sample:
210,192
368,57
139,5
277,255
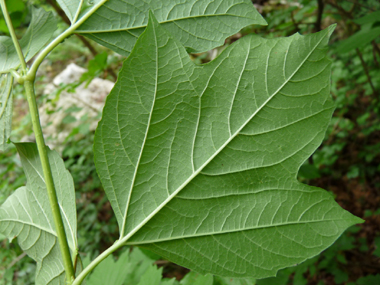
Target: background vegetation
347,164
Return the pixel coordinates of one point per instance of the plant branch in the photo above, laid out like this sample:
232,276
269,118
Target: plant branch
374,53
13,35
365,67
17,259
63,16
15,76
375,47
96,261
340,9
318,23
53,201
33,69
359,4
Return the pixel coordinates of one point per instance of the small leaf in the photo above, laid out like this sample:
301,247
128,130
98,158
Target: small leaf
39,32
110,272
200,25
128,269
193,278
200,162
17,13
369,280
151,276
6,103
26,214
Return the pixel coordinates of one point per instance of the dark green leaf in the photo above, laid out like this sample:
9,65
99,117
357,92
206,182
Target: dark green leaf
369,18
358,40
200,25
369,280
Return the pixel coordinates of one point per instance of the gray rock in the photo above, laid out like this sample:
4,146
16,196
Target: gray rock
90,99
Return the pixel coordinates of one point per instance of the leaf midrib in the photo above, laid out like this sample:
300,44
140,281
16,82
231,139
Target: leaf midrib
29,224
233,231
143,144
163,22
183,185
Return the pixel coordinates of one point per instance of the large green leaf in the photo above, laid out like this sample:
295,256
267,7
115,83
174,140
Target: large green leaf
200,162
199,25
39,32
26,214
6,103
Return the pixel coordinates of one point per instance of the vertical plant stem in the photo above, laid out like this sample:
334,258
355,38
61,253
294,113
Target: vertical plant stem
41,56
62,240
318,23
13,35
30,95
365,67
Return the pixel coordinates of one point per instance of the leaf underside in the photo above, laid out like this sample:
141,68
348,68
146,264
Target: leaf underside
200,162
26,214
70,7
6,104
39,32
199,25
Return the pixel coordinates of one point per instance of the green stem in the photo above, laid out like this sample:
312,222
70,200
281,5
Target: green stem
33,69
96,261
63,245
13,35
28,81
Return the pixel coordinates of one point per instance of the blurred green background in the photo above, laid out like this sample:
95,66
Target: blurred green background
347,163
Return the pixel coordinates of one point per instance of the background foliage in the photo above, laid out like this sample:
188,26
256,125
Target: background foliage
347,164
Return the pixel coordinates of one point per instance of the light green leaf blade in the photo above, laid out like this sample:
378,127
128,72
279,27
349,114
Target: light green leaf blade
6,103
70,7
200,25
193,278
151,276
129,268
39,32
110,271
200,162
26,214
234,281
369,18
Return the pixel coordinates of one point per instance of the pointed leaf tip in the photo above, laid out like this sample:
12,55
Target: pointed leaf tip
331,29
152,17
